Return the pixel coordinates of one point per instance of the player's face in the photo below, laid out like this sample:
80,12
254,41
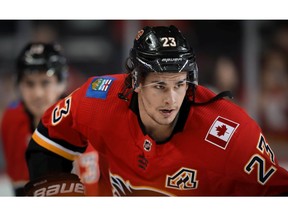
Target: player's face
161,96
39,92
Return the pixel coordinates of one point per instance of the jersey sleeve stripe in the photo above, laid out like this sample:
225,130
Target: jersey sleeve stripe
53,146
44,132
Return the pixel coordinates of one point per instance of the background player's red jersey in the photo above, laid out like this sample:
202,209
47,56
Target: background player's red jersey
216,149
16,131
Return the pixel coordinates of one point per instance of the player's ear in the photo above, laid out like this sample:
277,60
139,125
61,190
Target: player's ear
137,89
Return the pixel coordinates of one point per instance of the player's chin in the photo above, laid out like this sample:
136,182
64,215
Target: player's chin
166,120
38,110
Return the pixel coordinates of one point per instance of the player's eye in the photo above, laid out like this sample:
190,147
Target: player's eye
180,84
159,86
29,84
45,83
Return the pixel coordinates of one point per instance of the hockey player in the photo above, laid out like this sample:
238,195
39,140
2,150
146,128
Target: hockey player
41,80
159,132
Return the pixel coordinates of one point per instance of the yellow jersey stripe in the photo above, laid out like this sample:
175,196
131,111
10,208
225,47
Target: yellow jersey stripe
53,146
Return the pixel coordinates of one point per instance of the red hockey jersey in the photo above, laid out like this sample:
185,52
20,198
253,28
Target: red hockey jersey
216,149
16,131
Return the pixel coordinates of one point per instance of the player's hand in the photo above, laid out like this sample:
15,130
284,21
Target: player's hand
62,184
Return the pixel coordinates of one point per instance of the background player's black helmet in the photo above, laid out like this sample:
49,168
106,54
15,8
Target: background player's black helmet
41,57
162,49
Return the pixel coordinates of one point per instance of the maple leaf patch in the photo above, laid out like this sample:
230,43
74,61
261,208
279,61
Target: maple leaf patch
221,131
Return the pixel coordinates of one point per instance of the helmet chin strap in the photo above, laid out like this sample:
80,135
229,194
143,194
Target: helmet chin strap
124,94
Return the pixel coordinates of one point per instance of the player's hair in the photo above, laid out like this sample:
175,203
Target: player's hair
42,57
159,49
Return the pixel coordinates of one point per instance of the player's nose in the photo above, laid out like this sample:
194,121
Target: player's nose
169,96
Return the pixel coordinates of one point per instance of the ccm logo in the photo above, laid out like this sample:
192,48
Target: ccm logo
59,189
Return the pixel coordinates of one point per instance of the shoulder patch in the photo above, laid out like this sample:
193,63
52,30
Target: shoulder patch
13,104
221,132
99,87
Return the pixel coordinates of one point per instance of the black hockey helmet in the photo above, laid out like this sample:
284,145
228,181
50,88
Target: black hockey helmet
161,49
36,57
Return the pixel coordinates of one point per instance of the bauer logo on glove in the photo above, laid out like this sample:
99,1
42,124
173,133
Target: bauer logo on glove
63,184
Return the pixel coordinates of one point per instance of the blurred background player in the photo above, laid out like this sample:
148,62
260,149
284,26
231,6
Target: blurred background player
41,81
226,77
273,103
42,73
